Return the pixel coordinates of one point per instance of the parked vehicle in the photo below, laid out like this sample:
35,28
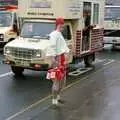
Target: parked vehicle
8,24
112,26
37,20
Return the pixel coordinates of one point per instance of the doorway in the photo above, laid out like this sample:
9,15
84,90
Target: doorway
86,29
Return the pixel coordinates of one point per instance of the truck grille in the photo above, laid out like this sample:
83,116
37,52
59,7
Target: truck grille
23,53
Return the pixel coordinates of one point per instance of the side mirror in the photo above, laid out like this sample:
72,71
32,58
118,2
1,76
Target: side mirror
15,27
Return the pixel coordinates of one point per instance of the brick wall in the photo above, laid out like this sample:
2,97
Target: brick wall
96,39
78,42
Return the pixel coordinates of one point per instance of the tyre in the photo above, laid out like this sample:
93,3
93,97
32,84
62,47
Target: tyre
88,60
18,71
114,47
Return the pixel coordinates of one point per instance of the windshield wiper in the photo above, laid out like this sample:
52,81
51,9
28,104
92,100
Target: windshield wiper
37,36
41,37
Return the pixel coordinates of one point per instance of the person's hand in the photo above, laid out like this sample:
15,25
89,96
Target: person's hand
67,58
51,61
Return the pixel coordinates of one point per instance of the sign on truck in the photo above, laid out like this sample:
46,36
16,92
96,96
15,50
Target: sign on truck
83,32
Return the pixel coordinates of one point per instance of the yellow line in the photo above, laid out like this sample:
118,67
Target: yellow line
44,99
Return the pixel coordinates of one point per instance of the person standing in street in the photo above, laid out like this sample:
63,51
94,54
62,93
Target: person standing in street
57,53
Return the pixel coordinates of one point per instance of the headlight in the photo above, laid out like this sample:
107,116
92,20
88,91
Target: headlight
7,50
38,54
1,36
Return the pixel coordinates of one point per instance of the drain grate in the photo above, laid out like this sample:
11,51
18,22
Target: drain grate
80,71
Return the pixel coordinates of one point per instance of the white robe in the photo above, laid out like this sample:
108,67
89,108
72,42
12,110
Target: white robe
57,44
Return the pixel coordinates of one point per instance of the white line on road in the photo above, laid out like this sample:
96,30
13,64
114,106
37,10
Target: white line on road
5,74
108,62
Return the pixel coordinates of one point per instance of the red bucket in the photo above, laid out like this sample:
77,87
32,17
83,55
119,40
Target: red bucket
56,73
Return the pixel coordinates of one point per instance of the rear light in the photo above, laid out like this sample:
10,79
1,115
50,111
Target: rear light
8,7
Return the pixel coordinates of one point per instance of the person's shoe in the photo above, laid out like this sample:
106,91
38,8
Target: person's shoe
54,101
58,97
61,101
54,104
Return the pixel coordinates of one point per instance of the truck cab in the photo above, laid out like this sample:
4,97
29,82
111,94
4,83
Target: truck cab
8,24
37,21
112,26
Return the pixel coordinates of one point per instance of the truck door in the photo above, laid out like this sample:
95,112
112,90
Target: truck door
86,26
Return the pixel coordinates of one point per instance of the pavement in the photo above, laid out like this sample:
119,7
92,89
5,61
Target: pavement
94,97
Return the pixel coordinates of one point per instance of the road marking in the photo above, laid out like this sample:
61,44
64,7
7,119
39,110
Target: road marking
45,98
29,107
99,60
5,74
111,61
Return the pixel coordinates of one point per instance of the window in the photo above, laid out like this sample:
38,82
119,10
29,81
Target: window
33,29
96,14
5,19
66,32
9,2
87,13
112,12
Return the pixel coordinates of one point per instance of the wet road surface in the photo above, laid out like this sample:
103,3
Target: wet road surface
95,97
23,93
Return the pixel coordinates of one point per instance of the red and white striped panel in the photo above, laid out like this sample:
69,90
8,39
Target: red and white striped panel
78,42
97,39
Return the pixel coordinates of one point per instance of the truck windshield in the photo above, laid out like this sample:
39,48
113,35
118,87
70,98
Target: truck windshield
36,29
112,12
5,19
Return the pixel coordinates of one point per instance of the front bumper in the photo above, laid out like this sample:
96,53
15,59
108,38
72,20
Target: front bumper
32,66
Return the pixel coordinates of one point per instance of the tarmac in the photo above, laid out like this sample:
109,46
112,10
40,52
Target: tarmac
94,97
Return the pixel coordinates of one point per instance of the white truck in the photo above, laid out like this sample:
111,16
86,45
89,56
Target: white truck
8,24
112,26
37,20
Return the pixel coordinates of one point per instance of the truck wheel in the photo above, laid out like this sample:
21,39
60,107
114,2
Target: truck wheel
17,70
113,47
89,59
